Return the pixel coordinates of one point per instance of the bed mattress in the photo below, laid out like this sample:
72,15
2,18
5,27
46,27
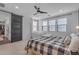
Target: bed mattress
47,46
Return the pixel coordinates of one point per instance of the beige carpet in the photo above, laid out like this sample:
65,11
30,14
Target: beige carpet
16,48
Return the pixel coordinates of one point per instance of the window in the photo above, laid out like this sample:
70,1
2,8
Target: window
52,24
35,25
45,26
62,24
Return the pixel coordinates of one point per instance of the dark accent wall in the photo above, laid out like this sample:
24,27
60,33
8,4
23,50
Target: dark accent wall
16,27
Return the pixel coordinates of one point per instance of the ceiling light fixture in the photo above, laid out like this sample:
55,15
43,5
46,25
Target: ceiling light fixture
16,7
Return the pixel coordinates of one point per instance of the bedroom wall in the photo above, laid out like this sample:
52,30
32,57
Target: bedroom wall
27,21
72,22
26,28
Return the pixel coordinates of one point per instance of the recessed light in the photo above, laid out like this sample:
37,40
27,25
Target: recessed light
16,7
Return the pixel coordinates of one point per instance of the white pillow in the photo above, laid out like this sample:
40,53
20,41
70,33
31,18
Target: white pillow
74,45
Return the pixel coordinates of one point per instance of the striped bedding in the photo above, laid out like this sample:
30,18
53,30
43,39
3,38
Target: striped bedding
47,46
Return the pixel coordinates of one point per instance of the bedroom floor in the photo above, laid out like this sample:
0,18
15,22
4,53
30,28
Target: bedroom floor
16,48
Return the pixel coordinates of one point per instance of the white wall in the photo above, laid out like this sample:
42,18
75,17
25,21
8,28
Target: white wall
27,21
72,22
26,28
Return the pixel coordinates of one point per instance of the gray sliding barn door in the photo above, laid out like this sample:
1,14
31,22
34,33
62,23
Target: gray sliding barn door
16,27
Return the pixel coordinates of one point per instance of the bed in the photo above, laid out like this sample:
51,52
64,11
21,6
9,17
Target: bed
53,45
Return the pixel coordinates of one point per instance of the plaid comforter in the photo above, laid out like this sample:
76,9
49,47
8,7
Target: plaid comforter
48,46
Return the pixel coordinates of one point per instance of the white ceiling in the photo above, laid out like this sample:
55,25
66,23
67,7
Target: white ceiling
51,8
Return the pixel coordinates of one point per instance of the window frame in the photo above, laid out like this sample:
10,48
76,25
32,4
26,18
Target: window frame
36,26
44,25
51,25
62,25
